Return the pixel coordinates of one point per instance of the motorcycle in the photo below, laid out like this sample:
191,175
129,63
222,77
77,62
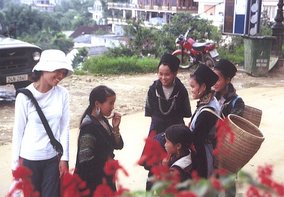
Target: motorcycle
191,52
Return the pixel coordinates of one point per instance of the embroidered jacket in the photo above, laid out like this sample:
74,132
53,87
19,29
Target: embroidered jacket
95,147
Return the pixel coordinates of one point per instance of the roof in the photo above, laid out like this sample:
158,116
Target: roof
81,30
6,43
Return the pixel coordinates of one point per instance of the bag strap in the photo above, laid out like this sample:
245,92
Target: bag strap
56,144
211,111
233,102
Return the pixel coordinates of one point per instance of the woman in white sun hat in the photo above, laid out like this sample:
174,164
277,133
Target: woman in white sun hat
31,144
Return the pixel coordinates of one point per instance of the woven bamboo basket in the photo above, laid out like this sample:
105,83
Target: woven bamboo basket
252,114
247,141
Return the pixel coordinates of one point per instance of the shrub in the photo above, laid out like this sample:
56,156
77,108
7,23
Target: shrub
120,65
235,55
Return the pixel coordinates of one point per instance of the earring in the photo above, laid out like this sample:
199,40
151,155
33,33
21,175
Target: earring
98,111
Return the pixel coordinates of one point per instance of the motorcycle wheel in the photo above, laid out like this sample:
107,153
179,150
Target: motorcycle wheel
185,61
209,61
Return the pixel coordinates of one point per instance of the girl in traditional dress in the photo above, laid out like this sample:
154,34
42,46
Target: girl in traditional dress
203,122
98,139
167,101
178,141
226,94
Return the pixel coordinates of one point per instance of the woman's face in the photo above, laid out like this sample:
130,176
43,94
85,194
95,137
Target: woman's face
170,147
166,76
222,82
196,89
54,77
107,106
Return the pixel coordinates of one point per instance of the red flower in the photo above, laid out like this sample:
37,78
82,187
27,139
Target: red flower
153,153
22,177
160,172
170,189
195,176
265,176
103,190
22,172
253,192
265,171
112,166
73,185
221,172
216,184
186,194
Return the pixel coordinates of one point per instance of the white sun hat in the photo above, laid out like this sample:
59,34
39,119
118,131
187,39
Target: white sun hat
53,59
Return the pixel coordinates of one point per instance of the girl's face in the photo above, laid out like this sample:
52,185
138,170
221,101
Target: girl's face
54,77
196,89
222,82
166,76
170,147
107,106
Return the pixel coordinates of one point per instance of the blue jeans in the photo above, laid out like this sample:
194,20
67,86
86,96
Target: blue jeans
45,177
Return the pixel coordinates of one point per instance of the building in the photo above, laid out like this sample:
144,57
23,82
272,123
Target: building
30,2
212,10
97,12
270,6
156,10
85,36
43,5
153,12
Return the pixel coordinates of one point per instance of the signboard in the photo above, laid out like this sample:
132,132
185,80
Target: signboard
242,17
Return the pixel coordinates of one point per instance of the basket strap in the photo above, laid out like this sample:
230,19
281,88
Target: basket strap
212,112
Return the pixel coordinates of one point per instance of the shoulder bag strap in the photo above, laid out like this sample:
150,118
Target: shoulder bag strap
211,111
233,102
56,144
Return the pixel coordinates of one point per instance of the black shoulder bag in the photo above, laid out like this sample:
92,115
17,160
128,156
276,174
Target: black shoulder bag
56,145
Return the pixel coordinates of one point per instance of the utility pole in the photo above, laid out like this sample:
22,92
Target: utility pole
278,31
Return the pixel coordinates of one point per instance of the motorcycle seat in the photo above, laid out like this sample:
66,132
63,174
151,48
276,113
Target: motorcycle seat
199,46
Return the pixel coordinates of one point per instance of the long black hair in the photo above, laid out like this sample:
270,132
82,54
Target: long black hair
100,94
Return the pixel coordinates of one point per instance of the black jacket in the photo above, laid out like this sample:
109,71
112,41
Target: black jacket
95,147
233,104
165,112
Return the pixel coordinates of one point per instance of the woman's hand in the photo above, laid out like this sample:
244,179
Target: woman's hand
116,120
63,167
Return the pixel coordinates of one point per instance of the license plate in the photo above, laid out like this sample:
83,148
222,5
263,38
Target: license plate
16,78
214,53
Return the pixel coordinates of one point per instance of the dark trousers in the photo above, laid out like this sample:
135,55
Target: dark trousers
149,184
45,177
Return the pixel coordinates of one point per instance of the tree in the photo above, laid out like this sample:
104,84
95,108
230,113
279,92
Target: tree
47,40
142,40
75,13
31,21
202,28
5,3
80,57
61,42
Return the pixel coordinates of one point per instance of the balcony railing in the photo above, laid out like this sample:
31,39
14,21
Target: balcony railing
116,20
148,7
112,5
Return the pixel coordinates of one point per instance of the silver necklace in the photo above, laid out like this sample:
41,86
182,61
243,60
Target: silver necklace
172,104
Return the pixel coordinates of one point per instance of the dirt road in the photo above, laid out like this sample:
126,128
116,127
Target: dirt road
131,93
265,93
